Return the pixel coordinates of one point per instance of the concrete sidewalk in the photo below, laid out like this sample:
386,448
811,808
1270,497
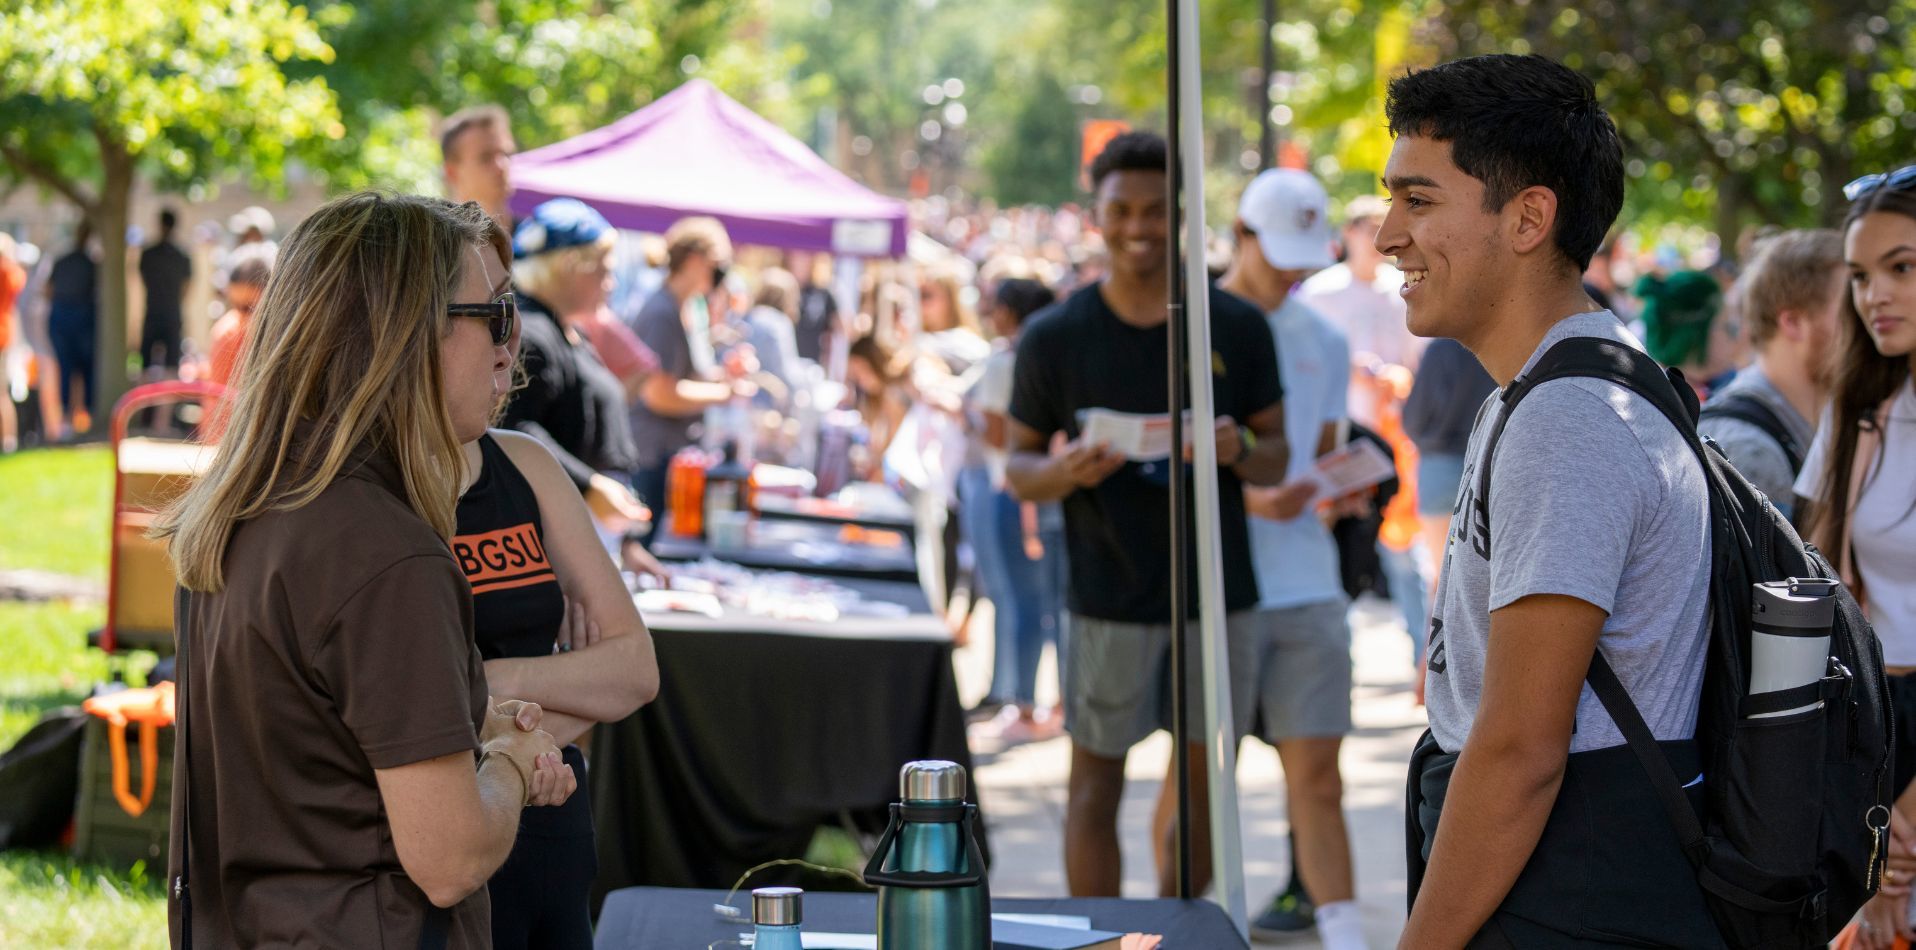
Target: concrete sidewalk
1022,789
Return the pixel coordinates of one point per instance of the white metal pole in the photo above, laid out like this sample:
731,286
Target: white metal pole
1227,845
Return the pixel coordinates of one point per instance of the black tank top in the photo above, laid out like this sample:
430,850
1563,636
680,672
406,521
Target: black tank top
517,605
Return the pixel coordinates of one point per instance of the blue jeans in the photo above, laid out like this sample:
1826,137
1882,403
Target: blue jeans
1027,596
1408,592
72,331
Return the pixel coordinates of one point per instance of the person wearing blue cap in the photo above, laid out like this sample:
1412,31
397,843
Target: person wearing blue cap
569,400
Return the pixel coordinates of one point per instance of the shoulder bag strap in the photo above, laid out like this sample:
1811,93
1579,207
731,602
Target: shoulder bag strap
1744,407
182,892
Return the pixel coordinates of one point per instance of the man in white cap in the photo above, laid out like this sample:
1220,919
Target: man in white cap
1359,297
1304,661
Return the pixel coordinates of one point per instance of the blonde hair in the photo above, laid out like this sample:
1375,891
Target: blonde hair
962,317
777,289
343,353
1792,270
696,235
540,273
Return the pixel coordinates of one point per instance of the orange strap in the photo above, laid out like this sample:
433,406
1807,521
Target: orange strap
151,708
149,766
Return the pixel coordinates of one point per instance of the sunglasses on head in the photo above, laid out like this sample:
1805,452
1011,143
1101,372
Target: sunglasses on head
1870,184
500,315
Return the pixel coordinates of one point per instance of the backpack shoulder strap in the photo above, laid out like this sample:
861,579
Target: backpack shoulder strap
1595,358
1745,407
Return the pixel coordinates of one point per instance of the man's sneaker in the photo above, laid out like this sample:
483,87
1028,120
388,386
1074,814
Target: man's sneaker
1290,913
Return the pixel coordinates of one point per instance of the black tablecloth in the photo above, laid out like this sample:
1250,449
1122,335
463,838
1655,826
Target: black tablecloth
805,546
662,918
763,730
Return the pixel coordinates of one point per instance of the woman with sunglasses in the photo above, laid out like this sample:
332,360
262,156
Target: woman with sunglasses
557,627
342,778
1859,479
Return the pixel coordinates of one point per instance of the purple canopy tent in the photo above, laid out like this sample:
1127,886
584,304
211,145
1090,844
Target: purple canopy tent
696,151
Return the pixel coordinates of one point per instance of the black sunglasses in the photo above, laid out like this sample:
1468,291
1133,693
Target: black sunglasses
1870,184
500,315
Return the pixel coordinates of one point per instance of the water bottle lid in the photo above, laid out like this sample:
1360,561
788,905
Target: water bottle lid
932,780
1800,603
778,906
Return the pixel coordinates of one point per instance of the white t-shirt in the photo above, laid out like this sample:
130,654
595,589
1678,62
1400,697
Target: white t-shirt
1372,319
1296,560
991,392
1882,527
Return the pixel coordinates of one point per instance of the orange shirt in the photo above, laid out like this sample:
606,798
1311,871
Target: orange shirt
229,335
13,278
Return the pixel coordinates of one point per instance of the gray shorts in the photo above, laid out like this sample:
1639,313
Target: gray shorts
1302,658
1117,680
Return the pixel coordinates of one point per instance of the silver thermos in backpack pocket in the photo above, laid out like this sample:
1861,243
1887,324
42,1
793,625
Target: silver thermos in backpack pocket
1790,638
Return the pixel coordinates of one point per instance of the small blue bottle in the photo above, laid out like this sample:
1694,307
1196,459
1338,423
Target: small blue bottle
776,914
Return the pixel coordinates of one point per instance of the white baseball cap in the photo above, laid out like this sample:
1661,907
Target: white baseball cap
1290,214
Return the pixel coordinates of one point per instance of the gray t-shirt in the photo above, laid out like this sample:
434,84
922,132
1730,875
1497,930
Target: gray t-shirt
1750,449
660,327
1594,495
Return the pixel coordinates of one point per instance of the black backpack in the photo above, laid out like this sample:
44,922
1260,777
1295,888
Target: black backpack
1744,407
1792,839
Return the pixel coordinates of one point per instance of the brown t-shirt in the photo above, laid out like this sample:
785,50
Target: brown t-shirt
341,643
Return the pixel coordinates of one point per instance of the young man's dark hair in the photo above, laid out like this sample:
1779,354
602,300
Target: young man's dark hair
1024,297
168,220
1131,152
1518,121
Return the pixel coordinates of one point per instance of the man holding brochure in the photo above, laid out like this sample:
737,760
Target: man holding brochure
1107,348
1302,661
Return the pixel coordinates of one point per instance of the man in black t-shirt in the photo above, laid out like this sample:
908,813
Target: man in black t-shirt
1106,347
165,271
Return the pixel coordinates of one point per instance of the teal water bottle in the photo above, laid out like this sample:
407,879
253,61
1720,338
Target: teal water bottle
930,875
776,915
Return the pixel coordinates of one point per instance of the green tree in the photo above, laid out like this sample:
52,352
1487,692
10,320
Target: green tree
1736,114
1037,161
559,67
96,93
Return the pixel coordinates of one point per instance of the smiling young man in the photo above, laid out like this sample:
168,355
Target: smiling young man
1106,347
1532,824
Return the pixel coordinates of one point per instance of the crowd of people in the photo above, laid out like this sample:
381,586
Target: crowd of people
440,412
49,316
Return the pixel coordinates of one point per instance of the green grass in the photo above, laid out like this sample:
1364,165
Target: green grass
48,900
55,508
46,661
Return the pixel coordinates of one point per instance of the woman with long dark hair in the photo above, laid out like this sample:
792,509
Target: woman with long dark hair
1858,483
